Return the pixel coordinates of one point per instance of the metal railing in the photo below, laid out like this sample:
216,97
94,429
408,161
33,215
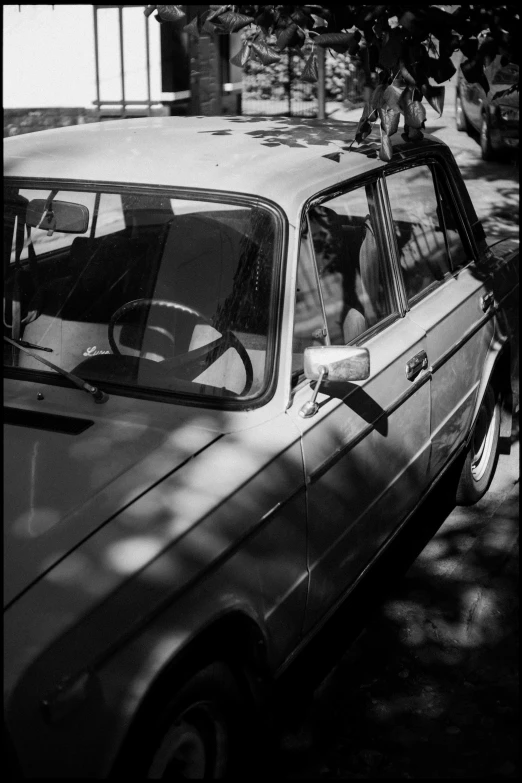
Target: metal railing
119,105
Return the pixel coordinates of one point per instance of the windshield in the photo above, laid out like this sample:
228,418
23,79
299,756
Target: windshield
139,291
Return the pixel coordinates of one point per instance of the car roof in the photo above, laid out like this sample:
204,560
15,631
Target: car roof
279,158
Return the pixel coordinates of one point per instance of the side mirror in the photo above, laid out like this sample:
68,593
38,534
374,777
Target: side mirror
336,364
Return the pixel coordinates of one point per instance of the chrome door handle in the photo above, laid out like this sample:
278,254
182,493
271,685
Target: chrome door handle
486,301
416,364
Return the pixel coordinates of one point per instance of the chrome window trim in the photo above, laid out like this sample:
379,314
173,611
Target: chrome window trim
381,230
276,304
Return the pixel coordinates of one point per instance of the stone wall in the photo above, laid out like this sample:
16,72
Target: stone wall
17,121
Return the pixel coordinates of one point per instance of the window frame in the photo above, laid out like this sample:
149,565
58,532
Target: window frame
273,357
438,172
382,228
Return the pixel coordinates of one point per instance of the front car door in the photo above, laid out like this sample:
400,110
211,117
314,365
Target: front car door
366,451
446,296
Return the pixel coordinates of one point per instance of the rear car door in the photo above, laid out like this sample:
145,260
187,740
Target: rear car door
366,449
446,296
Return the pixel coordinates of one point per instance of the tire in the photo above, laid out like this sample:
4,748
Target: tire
482,455
461,122
486,148
198,734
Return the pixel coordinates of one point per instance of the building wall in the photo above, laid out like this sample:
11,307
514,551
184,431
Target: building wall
48,56
50,74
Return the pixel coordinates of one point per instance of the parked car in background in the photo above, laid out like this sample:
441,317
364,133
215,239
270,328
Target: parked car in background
493,115
238,355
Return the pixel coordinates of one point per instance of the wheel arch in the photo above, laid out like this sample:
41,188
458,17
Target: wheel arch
235,638
497,371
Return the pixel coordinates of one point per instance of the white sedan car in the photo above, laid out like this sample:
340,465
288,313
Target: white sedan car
238,354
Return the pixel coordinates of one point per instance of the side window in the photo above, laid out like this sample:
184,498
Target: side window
419,230
354,277
344,283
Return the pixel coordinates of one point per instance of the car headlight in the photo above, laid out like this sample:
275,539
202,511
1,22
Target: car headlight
508,114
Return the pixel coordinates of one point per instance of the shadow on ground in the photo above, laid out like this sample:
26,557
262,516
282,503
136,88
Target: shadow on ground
420,670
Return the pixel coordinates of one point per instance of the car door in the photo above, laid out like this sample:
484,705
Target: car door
446,297
366,450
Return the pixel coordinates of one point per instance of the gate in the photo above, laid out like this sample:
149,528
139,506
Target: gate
279,89
123,62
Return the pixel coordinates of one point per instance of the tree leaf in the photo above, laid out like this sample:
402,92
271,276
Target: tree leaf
473,72
440,69
339,42
242,56
364,127
413,22
211,28
216,10
386,149
310,71
406,75
415,134
170,13
392,95
407,96
390,53
265,54
414,114
233,22
192,28
434,96
265,19
318,21
300,16
390,117
377,99
287,37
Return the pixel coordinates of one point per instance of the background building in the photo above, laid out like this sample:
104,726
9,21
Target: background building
67,64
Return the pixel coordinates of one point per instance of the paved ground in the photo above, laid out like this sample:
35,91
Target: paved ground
421,671
429,688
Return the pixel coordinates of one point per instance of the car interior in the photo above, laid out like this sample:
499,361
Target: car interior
195,280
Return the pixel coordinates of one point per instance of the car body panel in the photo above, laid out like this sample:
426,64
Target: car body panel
366,461
224,153
452,316
164,540
165,517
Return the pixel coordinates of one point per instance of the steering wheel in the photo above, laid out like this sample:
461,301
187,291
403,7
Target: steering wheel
196,359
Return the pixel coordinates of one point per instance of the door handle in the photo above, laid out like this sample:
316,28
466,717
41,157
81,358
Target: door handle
486,301
416,364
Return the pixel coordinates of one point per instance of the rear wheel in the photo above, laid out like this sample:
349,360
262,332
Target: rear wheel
482,455
460,117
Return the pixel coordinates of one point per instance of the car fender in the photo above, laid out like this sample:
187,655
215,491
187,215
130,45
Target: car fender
496,369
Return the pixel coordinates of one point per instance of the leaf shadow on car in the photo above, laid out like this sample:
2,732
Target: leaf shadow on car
370,701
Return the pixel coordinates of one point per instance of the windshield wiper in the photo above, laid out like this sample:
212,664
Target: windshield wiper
96,393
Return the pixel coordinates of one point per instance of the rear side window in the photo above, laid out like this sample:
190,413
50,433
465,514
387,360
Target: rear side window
458,247
419,229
